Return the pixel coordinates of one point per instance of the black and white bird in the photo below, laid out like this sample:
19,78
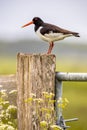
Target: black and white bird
50,33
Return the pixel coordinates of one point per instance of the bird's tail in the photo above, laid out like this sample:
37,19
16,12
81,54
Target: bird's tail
76,34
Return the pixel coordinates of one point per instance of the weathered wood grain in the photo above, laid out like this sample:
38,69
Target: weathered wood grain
35,74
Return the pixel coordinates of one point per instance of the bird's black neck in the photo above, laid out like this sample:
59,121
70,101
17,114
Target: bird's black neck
36,27
38,24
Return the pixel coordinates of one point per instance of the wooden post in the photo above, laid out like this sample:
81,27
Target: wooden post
35,74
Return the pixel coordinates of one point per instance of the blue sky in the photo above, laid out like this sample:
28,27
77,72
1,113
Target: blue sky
68,14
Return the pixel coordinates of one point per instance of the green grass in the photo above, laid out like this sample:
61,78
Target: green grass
75,92
71,65
7,65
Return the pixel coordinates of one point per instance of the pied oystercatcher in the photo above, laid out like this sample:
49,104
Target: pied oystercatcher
49,32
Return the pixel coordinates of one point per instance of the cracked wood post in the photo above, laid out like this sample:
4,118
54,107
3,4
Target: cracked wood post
35,74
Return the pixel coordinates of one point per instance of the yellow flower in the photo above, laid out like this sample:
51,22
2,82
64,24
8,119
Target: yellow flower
52,95
66,100
46,94
55,127
33,95
52,101
62,103
40,100
43,124
29,100
48,116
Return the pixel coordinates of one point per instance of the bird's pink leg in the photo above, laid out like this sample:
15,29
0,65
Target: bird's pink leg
50,48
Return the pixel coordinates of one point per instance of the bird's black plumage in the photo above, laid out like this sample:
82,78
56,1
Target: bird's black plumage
38,22
47,28
49,32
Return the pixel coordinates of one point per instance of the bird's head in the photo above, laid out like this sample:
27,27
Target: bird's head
36,20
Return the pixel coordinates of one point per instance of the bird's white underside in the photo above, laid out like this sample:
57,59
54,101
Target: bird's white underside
51,37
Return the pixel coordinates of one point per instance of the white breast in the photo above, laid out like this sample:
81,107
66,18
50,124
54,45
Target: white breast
51,37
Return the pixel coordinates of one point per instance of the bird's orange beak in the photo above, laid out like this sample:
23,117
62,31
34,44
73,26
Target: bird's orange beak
27,24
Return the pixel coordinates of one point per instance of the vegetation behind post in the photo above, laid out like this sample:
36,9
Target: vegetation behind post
35,74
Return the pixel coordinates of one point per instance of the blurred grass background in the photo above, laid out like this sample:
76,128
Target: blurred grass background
70,58
7,65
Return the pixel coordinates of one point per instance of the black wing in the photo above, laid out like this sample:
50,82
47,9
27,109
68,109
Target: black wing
47,28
